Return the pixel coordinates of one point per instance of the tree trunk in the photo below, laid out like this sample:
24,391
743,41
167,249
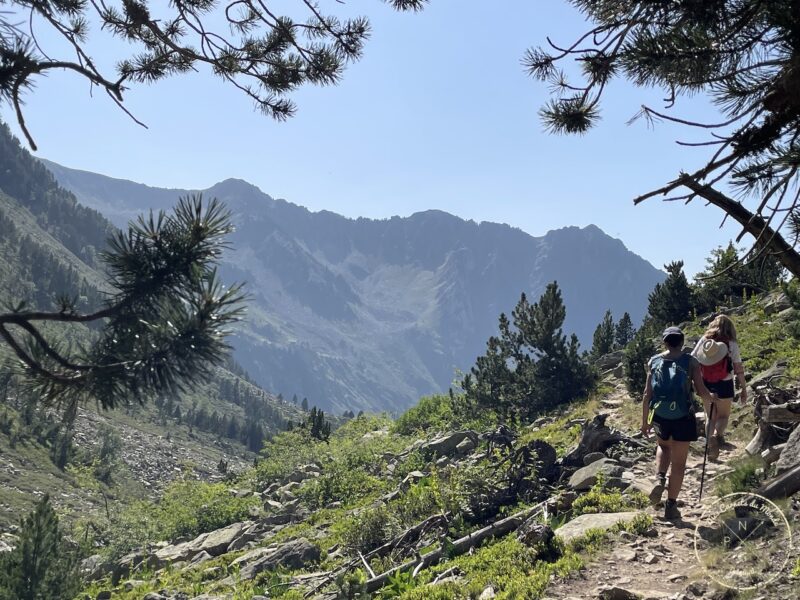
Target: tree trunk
753,224
458,547
783,485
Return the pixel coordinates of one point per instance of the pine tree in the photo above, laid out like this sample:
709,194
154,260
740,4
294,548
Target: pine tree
304,404
531,365
603,340
743,54
624,331
670,302
42,566
637,354
727,278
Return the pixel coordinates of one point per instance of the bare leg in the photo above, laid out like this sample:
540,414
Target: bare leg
679,452
722,411
663,455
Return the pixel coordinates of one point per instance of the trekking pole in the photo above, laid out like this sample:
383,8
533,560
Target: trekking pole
705,453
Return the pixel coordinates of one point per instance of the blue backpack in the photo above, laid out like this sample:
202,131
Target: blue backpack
672,387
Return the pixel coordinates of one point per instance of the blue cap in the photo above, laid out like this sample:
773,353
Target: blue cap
671,331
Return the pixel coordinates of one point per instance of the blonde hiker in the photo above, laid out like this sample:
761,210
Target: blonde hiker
719,358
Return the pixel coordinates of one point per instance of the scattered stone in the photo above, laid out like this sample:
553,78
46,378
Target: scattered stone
650,559
533,533
775,302
154,596
584,478
581,524
291,555
411,479
677,577
446,445
609,361
487,594
104,595
132,584
466,446
617,593
625,555
593,457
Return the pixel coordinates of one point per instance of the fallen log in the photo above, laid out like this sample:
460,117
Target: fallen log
763,434
782,486
782,413
458,547
770,455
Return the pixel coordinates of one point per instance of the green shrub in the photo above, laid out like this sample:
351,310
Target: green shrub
187,509
430,413
372,528
743,478
601,499
796,572
341,483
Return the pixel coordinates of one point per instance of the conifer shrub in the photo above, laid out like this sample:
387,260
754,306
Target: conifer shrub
743,478
432,413
43,564
370,529
637,354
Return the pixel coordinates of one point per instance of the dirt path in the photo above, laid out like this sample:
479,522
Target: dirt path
661,566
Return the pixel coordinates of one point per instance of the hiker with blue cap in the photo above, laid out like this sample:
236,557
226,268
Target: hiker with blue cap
669,409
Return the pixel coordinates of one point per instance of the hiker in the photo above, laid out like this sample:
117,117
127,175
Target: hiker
669,408
719,358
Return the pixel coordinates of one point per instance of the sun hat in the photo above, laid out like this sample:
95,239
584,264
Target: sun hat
671,331
711,352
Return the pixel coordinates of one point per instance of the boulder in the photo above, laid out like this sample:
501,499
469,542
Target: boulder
609,361
593,457
217,542
466,446
775,302
411,479
583,523
790,455
586,477
618,593
447,445
533,532
294,554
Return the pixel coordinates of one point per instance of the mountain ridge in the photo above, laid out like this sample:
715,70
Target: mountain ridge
371,314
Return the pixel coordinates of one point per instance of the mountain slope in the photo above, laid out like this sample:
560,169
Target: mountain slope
371,314
48,247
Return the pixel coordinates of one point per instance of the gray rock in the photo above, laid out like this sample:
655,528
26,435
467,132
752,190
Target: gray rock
581,524
609,361
411,479
618,593
104,595
217,542
790,455
466,446
291,555
153,596
533,532
593,457
487,594
446,445
775,302
586,477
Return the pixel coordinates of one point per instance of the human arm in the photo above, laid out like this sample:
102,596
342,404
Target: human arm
699,384
738,371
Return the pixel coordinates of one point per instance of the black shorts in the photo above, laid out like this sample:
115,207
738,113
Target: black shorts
680,430
723,389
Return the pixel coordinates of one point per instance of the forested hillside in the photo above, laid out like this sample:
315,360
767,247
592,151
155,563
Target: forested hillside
50,247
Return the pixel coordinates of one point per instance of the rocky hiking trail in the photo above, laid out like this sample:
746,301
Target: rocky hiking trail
662,564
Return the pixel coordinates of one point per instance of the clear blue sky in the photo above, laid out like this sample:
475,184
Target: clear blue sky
438,114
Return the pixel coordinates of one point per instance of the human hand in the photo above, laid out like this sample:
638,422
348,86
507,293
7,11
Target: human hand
743,396
646,427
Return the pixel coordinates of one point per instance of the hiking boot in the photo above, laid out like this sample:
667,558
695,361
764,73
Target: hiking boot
720,440
658,490
671,511
713,448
